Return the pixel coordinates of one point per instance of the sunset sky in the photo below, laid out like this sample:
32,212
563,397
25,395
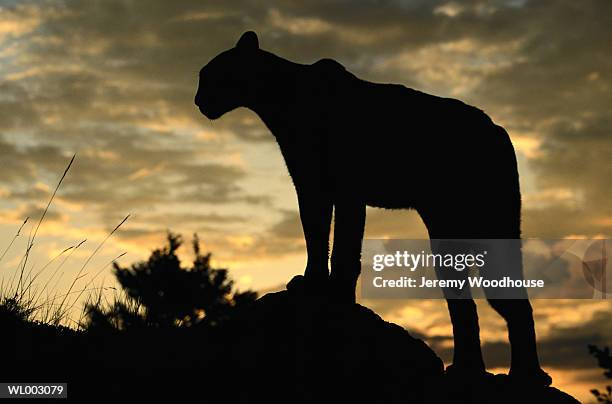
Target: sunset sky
113,81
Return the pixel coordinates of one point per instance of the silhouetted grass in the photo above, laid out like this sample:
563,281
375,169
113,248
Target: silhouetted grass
23,298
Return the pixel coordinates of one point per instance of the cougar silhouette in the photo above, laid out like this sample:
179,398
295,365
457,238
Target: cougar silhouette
348,143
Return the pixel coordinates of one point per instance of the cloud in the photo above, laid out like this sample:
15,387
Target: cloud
92,70
33,212
18,21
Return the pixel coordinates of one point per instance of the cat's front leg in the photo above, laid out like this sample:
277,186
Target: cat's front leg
315,213
349,223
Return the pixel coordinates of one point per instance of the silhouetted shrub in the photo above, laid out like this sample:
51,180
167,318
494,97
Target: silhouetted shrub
160,292
604,361
12,309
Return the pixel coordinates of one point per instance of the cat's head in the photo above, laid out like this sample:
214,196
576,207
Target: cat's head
227,81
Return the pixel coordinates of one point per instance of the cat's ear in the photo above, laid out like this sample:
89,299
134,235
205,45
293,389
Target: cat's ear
248,41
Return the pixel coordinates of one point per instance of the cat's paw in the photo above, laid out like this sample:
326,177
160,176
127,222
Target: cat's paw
304,285
533,377
296,283
467,374
342,293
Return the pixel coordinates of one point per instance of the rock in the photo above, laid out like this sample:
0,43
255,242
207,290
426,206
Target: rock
290,347
313,349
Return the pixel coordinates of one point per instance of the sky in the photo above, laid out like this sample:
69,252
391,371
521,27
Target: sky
113,81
